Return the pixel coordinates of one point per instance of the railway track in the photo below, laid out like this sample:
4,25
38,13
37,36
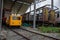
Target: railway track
30,35
12,35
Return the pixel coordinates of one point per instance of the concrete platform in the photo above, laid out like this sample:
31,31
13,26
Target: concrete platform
3,35
54,35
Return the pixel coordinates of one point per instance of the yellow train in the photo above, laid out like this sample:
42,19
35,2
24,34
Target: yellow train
14,20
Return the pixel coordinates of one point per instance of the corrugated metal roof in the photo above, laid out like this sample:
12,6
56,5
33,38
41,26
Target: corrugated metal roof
9,4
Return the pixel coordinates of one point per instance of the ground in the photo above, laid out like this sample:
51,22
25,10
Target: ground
49,29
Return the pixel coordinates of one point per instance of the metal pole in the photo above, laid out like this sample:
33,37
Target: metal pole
34,21
0,17
1,11
30,8
52,4
42,17
29,13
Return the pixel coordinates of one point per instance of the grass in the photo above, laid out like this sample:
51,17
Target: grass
49,29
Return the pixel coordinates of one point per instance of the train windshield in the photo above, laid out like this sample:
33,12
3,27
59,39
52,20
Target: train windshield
15,18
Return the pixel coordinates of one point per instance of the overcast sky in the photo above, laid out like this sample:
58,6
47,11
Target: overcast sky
56,3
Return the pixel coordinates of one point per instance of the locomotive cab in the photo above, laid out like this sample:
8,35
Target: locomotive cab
14,20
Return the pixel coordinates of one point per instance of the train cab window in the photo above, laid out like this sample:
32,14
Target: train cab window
18,18
15,18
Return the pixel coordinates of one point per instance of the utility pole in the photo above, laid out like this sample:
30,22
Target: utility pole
34,20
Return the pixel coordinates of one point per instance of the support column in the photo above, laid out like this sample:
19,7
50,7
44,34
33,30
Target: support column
1,11
29,13
28,17
52,4
34,21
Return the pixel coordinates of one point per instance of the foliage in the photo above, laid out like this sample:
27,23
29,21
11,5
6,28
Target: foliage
49,29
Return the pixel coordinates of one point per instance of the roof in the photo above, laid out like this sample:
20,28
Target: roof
10,5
